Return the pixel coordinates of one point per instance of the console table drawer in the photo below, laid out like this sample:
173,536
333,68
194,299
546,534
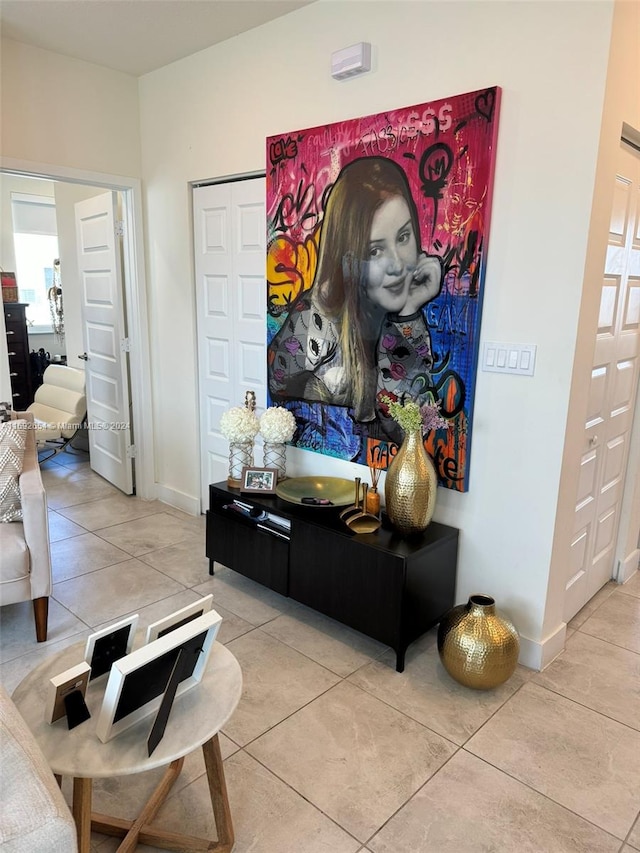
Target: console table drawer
241,545
347,580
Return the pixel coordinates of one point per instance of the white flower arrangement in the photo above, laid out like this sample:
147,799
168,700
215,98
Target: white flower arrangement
277,425
239,425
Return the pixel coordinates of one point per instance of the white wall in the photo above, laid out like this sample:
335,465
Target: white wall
68,112
550,59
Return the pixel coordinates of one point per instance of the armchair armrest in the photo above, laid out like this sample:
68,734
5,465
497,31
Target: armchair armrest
35,519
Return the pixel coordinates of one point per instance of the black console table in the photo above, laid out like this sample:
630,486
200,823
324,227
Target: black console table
388,587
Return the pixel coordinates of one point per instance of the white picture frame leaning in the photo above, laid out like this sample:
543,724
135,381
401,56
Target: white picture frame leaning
178,618
137,682
117,630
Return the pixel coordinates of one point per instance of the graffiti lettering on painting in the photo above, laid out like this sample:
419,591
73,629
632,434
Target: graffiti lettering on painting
299,210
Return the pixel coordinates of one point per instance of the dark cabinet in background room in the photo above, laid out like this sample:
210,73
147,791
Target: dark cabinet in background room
15,323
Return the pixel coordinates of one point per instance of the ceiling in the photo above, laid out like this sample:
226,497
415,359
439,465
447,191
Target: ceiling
134,36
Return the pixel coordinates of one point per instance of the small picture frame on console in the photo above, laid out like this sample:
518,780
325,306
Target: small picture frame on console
259,481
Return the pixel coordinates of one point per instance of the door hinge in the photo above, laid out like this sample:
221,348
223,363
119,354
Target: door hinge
125,345
132,452
119,227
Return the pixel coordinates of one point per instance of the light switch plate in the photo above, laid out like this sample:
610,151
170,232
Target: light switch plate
509,358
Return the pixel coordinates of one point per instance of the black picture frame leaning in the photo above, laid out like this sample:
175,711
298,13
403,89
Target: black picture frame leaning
138,681
178,618
110,644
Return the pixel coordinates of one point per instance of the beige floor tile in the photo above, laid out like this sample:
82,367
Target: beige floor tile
632,586
352,756
148,533
78,490
603,677
78,467
634,835
470,807
94,514
15,669
335,646
82,554
617,621
197,523
426,693
267,815
251,601
52,471
61,528
18,632
185,562
576,757
592,605
105,594
232,626
277,681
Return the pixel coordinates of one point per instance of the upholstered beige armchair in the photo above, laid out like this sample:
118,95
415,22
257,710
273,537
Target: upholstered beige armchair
25,559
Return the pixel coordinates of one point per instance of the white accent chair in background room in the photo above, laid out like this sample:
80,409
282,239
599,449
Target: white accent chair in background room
59,408
25,558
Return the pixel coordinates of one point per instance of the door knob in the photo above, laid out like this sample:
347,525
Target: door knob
593,440
84,356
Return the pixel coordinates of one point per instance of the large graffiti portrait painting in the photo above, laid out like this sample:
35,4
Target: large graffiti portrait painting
377,241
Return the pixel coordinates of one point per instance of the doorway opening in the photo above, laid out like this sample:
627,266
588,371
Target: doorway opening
130,193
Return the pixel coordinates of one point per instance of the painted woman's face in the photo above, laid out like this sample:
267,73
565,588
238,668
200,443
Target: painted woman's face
393,255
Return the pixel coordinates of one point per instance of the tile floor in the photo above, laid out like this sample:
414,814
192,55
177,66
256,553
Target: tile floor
331,750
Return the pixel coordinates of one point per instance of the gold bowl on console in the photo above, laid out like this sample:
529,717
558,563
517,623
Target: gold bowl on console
335,489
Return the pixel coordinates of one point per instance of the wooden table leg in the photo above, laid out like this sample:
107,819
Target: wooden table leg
82,813
139,831
218,792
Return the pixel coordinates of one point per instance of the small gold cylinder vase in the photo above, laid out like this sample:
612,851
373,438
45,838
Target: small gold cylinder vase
477,647
410,486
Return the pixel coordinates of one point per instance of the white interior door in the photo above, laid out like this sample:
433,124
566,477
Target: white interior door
612,396
230,267
105,341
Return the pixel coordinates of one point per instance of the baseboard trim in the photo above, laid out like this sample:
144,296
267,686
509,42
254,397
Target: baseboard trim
627,567
178,499
539,654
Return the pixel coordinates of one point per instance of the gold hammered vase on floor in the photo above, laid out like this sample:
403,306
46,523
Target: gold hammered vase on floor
478,647
410,486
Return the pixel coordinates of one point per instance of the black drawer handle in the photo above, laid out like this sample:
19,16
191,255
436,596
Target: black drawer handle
13,374
11,353
15,395
10,333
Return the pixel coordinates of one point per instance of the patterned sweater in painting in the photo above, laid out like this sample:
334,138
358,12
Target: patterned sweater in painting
305,362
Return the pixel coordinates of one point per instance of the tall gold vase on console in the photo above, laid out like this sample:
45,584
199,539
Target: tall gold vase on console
477,646
410,486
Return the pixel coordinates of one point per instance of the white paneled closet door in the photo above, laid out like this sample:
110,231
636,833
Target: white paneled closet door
612,397
231,298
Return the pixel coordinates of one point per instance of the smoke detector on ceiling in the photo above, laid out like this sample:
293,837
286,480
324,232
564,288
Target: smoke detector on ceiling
351,61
